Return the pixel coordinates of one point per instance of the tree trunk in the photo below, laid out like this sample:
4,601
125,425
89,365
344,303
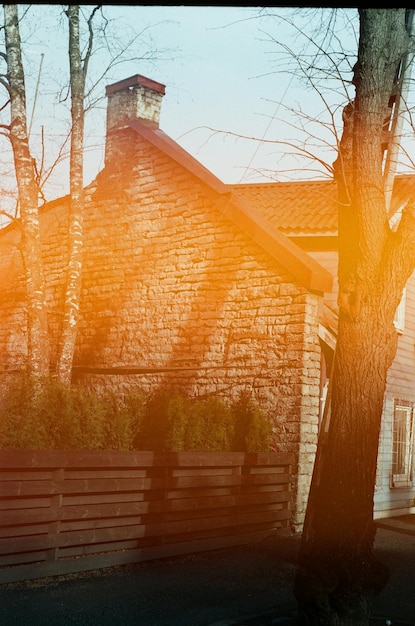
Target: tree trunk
75,235
37,322
338,575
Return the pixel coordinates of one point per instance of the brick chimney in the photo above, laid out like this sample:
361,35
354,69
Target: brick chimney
134,98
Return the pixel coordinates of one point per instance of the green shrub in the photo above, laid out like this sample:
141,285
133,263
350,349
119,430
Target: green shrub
200,426
253,430
156,425
124,420
18,426
62,417
211,426
175,422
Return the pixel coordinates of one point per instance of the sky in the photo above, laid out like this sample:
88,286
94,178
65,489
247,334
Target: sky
230,100
226,76
225,79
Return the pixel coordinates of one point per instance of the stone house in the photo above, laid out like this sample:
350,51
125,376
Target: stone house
205,287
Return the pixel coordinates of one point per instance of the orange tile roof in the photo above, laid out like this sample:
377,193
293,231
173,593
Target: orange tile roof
307,208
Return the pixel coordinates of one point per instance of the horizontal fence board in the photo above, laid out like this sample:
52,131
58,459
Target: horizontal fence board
259,488
201,471
68,511
108,498
93,485
29,517
115,458
26,503
38,556
21,531
177,494
24,474
87,474
96,485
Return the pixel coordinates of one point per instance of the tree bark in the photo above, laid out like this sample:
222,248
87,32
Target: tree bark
28,193
338,575
75,235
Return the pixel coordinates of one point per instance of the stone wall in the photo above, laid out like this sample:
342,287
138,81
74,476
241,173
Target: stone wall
173,287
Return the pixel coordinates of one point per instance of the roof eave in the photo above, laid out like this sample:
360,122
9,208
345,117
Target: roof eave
160,140
297,262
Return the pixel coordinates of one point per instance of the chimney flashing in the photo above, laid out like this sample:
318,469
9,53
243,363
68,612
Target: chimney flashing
138,80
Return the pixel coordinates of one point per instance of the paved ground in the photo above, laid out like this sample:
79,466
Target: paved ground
242,586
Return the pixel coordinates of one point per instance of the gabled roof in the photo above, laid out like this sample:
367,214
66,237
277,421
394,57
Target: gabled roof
297,208
246,214
309,208
288,254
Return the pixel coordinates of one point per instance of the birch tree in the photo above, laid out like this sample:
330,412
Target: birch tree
28,195
78,72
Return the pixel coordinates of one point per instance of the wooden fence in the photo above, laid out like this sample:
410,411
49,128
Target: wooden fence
71,511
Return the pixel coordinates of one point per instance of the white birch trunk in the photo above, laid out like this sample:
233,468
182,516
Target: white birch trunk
75,235
37,322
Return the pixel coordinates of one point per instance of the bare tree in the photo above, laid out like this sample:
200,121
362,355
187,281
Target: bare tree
78,71
28,194
338,574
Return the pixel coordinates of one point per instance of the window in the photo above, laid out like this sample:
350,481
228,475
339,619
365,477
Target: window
399,320
402,445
